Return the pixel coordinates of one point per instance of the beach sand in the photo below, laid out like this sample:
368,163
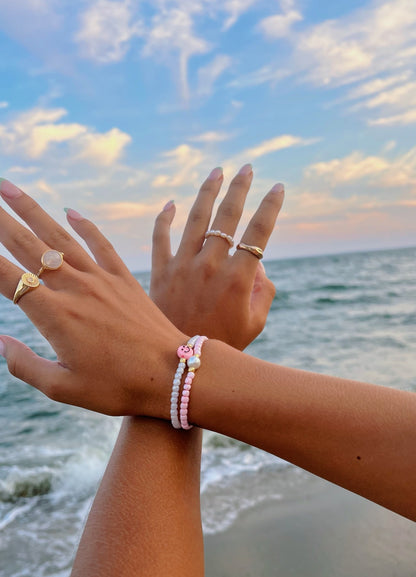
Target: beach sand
323,531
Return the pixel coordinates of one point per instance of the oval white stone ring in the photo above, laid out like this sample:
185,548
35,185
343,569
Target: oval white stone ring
51,260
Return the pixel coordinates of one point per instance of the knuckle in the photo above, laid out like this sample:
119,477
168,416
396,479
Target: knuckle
30,205
240,180
59,237
260,228
229,210
196,216
208,187
207,269
23,238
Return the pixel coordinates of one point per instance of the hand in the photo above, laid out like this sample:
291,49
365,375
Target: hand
204,290
110,339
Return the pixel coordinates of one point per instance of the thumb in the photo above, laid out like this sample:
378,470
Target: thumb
26,365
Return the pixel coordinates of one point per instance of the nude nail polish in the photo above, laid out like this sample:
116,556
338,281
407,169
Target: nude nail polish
73,214
279,187
246,169
216,174
168,205
8,189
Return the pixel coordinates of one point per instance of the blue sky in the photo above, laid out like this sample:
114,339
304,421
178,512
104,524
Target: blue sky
115,107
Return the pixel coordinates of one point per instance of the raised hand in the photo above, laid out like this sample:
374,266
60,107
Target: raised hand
106,332
202,289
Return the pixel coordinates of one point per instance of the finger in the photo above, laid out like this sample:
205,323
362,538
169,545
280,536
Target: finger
260,228
161,249
46,229
26,365
200,215
103,251
10,275
230,210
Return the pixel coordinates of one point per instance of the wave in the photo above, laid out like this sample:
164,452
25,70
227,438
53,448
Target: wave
25,485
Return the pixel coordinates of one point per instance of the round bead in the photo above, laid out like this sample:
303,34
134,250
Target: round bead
185,394
193,362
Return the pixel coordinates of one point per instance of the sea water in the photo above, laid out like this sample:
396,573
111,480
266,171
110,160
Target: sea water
351,315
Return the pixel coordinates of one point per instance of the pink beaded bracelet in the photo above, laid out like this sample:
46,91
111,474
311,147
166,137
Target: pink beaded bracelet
189,355
193,363
184,352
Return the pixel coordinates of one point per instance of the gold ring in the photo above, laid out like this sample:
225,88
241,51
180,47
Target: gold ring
220,234
254,250
51,260
27,282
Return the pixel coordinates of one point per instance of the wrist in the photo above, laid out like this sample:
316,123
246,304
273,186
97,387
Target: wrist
155,400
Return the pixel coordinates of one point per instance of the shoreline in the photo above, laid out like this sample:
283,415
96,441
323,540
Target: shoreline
324,531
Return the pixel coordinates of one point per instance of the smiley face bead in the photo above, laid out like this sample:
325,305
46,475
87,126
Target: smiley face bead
185,352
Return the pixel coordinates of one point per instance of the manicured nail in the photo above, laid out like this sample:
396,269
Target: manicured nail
2,348
246,169
73,214
279,187
216,174
168,205
8,189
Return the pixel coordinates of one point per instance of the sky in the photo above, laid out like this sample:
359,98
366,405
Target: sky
114,107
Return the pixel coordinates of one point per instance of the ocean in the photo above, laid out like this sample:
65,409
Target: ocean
351,315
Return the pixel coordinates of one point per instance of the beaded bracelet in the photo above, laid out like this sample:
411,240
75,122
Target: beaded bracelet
184,352
193,363
189,355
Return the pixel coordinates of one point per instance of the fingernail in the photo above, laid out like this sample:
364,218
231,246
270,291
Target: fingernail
216,174
73,214
8,189
168,205
279,187
246,169
2,348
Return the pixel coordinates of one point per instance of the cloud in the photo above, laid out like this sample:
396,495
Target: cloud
378,171
4,104
104,149
403,119
182,164
350,168
33,134
113,211
280,25
376,85
171,35
106,30
369,41
207,75
277,143
210,137
24,169
235,8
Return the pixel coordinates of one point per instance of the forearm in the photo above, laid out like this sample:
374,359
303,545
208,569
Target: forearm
359,436
146,512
